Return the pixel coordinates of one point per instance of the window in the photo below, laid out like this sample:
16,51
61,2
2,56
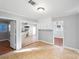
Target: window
3,27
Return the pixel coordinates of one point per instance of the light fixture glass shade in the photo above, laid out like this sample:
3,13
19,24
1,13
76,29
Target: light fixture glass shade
41,9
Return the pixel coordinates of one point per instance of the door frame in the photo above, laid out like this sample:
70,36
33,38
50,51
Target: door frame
6,18
29,23
63,32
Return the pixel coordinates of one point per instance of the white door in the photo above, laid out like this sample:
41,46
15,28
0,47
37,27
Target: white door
34,33
13,34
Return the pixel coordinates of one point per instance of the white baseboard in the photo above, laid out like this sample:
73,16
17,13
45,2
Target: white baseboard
46,42
74,49
4,39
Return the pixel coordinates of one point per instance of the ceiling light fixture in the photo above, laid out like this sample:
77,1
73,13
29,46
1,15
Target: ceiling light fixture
34,4
40,9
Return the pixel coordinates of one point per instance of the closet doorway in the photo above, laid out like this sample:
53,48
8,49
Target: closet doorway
7,35
28,34
58,33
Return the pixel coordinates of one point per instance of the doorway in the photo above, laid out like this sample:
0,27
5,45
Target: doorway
28,34
58,33
5,36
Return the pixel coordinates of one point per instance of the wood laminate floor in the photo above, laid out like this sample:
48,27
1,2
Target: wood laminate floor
5,47
41,50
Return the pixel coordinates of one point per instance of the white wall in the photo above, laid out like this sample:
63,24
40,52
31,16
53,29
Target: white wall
45,23
10,16
71,30
1,1
70,33
46,35
47,26
78,32
45,31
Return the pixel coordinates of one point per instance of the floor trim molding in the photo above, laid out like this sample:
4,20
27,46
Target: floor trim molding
74,49
46,42
4,39
70,48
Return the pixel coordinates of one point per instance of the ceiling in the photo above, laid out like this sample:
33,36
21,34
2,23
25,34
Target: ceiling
53,8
